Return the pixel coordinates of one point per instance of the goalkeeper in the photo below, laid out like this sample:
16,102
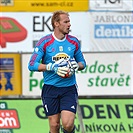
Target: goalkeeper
60,56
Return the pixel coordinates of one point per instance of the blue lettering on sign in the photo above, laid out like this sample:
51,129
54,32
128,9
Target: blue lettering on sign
113,31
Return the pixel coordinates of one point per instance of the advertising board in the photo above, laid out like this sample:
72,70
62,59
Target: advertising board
105,74
43,5
111,5
99,115
111,31
36,25
10,74
96,31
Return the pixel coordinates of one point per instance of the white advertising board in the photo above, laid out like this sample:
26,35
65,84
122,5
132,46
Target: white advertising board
111,31
111,5
31,81
105,74
38,25
97,31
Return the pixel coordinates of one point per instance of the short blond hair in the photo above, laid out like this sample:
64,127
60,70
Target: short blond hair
56,16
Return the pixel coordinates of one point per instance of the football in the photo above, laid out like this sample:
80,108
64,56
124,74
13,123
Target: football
67,75
67,63
70,71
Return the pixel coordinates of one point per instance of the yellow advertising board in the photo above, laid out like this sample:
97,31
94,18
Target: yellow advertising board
10,75
43,5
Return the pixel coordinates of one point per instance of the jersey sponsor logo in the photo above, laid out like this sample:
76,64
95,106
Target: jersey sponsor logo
113,31
60,56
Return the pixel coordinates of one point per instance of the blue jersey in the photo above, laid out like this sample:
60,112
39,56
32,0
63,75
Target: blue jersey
49,50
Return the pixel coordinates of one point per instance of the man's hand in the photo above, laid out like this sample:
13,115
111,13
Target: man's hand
71,72
58,67
62,71
74,64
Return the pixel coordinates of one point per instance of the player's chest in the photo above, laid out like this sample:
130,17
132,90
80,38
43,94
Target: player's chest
67,49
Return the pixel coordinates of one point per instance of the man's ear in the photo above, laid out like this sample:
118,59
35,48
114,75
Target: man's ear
56,24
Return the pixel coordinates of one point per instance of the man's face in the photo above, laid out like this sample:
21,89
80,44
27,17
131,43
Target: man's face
64,24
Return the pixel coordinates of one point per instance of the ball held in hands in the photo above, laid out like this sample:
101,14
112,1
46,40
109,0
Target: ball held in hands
70,70
63,67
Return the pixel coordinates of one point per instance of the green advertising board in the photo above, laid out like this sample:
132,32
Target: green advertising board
99,116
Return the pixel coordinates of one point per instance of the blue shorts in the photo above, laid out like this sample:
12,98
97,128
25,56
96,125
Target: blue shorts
56,99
